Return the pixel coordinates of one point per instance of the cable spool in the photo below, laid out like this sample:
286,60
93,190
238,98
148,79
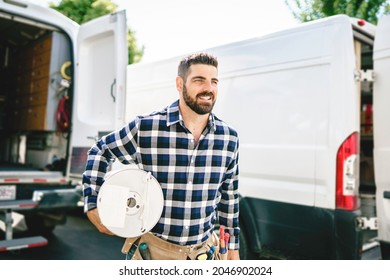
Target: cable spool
66,71
130,202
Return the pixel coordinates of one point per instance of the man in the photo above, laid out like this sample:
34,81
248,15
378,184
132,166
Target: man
192,154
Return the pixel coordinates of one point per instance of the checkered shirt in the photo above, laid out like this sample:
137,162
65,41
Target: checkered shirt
199,182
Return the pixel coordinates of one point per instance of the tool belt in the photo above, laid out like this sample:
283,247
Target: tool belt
160,249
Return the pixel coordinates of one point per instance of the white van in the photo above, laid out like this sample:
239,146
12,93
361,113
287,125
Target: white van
60,84
312,112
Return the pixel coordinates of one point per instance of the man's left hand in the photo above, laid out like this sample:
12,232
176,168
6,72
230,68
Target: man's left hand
233,255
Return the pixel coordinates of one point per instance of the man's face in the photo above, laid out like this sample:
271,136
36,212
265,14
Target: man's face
200,89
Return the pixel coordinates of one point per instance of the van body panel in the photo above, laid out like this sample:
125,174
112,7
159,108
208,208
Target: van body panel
156,80
381,104
290,99
298,81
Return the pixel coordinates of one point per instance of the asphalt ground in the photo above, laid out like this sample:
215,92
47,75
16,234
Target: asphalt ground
78,239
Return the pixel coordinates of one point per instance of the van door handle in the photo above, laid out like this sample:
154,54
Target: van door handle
94,138
386,194
112,90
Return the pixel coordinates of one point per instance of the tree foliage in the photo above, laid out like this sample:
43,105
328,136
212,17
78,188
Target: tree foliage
82,11
369,10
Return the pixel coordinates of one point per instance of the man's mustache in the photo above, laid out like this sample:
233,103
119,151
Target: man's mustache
205,93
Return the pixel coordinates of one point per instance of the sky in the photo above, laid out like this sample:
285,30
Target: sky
169,28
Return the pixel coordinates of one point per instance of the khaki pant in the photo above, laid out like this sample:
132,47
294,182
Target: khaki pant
164,250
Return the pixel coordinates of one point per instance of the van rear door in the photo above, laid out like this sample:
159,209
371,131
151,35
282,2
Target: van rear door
100,83
381,104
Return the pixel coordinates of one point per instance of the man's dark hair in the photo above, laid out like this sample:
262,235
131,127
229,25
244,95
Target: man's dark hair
196,58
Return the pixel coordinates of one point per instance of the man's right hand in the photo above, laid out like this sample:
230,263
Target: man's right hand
93,216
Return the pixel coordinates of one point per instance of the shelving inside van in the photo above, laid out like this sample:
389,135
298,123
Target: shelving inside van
34,116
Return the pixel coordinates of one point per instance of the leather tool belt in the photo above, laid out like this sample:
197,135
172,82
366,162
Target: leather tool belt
159,249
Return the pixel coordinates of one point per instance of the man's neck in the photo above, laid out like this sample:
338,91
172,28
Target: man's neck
194,122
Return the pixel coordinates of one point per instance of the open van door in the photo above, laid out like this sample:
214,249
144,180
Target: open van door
381,104
100,83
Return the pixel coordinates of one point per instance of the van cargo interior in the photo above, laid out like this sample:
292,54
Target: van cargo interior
34,91
366,169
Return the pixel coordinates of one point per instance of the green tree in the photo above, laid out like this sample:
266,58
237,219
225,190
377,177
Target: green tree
369,10
82,11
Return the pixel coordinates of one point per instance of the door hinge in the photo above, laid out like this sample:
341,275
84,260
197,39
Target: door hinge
367,223
365,75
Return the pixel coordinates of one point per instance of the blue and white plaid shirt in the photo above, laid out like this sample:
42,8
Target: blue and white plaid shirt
197,180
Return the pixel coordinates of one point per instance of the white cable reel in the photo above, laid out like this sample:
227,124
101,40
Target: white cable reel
130,202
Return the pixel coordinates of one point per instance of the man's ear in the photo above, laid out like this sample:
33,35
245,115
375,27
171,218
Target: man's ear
179,84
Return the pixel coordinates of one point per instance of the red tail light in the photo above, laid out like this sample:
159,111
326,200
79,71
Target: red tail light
361,22
347,174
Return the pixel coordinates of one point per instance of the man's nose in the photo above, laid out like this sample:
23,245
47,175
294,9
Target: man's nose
209,86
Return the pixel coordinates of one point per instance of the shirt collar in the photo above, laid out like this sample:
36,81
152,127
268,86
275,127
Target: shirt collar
174,116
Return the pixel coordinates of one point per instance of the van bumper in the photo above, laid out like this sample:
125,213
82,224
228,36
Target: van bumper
67,198
46,199
348,237
385,250
291,231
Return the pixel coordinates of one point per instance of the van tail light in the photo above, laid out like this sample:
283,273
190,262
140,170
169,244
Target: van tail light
347,174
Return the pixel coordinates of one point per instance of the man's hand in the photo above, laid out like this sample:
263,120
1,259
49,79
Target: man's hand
93,216
233,255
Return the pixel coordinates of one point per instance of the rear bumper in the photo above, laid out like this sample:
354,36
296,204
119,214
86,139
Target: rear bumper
46,199
385,250
291,231
68,198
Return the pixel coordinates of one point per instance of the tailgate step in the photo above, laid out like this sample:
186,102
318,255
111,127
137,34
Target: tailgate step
22,243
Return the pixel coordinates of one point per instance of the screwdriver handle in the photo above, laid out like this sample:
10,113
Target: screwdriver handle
144,251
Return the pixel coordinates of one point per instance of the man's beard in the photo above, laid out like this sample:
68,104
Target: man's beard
199,108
